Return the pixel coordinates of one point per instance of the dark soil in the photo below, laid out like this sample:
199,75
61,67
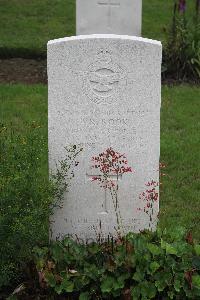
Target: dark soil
20,70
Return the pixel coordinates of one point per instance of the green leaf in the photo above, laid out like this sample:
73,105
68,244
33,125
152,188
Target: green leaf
50,279
178,233
196,262
154,266
84,296
111,284
138,276
81,282
170,261
160,284
182,248
92,271
140,244
170,249
163,244
57,252
177,285
94,248
67,285
152,291
170,294
197,249
148,290
107,284
122,278
58,289
135,293
147,257
196,281
118,285
40,263
154,249
165,276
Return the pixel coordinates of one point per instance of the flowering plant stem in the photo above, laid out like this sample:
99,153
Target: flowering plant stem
111,163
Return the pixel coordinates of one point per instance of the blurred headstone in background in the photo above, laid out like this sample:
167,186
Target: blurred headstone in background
123,17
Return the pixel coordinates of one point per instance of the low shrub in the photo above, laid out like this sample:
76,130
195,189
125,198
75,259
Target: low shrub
181,59
25,196
160,265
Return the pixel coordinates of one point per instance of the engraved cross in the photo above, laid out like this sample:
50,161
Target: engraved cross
110,4
111,178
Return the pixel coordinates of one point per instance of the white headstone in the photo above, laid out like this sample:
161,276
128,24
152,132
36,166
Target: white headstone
104,91
109,17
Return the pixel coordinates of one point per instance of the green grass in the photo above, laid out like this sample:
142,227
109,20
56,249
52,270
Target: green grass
21,104
25,192
180,140
23,107
27,25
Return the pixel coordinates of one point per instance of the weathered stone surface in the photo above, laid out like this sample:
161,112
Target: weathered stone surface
104,91
108,17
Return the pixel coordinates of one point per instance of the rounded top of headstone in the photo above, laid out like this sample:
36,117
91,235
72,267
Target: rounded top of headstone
105,36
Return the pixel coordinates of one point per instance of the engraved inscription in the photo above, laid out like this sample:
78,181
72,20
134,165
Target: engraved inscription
81,220
109,4
114,126
104,77
96,226
112,177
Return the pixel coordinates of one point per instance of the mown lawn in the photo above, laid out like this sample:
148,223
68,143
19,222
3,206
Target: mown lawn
180,140
21,105
27,25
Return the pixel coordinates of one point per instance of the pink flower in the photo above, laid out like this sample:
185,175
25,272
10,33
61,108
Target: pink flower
149,196
110,163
